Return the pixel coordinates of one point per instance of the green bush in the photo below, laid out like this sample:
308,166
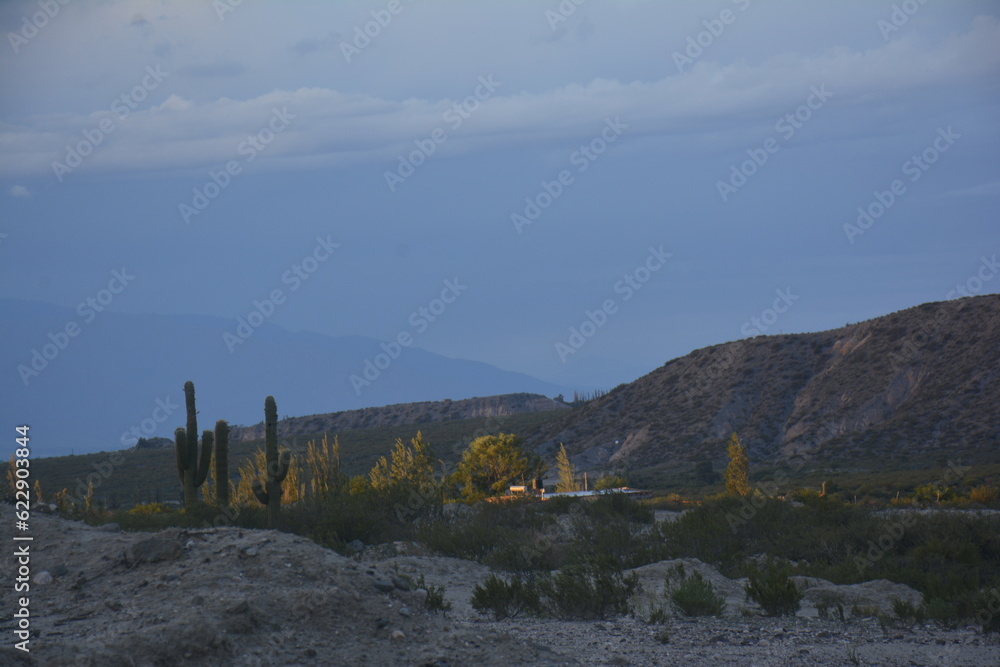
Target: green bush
506,598
770,587
694,596
588,591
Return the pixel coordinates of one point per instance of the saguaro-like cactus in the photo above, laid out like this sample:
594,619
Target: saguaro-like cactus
277,468
192,467
222,462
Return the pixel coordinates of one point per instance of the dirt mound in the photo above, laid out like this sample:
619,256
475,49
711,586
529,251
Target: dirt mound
226,596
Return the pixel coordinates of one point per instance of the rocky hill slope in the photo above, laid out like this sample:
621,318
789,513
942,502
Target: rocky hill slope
918,383
406,413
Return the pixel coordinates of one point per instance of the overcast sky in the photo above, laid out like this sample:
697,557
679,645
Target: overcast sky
674,169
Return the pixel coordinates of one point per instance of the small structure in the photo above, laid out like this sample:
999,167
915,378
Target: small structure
636,494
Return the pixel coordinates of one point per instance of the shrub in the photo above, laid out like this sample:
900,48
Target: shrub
506,599
150,508
826,601
770,587
588,591
909,613
694,596
435,600
984,494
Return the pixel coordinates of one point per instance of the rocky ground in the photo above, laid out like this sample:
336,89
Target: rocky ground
228,596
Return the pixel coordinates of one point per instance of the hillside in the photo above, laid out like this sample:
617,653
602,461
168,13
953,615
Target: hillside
405,413
916,385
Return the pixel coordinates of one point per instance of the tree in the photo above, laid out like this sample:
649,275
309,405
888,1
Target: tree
492,463
610,482
567,472
410,467
738,470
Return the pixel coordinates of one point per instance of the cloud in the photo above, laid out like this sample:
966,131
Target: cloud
983,190
20,191
338,128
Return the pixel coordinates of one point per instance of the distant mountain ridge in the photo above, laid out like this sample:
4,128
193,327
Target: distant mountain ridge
921,382
405,413
120,376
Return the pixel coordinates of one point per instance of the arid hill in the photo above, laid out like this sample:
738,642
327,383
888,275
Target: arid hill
406,413
921,383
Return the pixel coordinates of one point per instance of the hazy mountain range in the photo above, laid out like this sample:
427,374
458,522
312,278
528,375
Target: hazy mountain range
87,380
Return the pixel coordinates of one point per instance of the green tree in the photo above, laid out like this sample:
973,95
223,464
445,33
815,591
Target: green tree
738,470
492,463
610,482
410,467
567,472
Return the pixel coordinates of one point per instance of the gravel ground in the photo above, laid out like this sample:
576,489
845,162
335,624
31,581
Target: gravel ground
227,596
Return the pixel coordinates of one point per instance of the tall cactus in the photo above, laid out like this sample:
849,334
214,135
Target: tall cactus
277,468
192,468
222,462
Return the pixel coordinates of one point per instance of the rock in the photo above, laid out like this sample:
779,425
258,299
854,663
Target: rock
43,578
250,552
404,612
355,546
397,635
400,583
109,528
420,595
155,549
383,585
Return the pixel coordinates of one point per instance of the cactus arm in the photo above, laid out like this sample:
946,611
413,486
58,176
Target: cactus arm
180,449
192,426
201,474
259,491
222,462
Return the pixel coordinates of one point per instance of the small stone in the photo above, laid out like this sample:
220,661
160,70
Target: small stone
420,595
355,546
404,611
381,623
43,578
155,549
397,635
383,585
250,552
109,528
400,583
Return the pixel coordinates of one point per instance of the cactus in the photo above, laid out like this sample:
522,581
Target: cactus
277,468
222,462
192,468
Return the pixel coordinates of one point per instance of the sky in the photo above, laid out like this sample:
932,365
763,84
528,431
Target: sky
579,191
